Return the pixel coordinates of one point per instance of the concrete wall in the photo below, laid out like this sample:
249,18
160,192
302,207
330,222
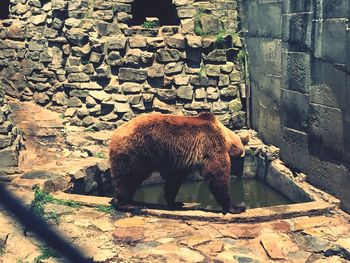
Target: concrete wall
299,65
88,61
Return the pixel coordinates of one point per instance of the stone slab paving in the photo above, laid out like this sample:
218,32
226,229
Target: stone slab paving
123,237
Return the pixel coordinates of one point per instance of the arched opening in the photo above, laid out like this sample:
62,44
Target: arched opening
4,9
164,10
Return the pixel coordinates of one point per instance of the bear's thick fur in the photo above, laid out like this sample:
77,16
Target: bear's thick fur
177,145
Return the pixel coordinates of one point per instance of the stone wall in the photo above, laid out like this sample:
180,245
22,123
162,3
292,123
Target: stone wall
86,60
299,65
10,139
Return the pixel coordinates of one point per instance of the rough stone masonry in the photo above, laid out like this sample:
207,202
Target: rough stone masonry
88,61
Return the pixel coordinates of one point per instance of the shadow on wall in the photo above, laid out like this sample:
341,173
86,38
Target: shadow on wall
4,9
164,10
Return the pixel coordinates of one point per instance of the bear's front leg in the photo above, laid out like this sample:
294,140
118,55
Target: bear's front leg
217,175
173,181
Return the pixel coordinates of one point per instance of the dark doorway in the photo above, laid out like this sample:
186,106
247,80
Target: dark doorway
4,9
164,10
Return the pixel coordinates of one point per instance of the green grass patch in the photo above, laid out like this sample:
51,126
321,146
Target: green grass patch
149,24
41,198
46,252
100,155
106,209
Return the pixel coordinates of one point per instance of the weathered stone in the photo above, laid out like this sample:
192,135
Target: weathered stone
41,98
166,94
114,58
227,68
130,74
212,70
176,41
200,94
219,107
121,107
174,68
162,106
185,92
212,93
129,87
186,12
8,157
59,98
137,41
197,105
103,71
187,26
194,41
117,43
38,19
229,92
210,24
155,43
88,121
167,55
155,71
99,95
95,57
202,81
78,77
224,80
81,51
235,105
181,80
216,56
74,102
77,36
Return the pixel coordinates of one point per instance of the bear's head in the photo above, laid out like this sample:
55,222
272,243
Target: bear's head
237,143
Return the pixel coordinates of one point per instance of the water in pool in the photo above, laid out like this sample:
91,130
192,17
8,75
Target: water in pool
252,192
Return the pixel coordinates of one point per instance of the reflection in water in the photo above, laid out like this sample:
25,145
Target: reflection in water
252,192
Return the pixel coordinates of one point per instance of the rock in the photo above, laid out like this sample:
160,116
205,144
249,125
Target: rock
216,56
128,235
121,107
137,41
8,157
166,94
176,41
130,87
229,92
95,57
212,70
162,106
78,77
117,43
173,68
238,120
99,95
228,67
219,107
134,75
41,98
167,55
202,81
70,112
194,41
186,12
224,80
185,92
77,36
59,98
210,24
235,105
88,121
181,80
156,71
114,58
197,105
38,19
155,43
200,94
74,102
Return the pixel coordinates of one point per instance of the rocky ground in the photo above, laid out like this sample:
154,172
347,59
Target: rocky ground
55,150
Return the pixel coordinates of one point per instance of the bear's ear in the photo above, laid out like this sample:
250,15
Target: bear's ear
245,138
235,151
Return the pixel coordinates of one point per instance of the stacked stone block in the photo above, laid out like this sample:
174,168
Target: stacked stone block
84,59
299,61
10,139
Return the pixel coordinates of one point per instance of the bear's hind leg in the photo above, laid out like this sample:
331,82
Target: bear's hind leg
173,182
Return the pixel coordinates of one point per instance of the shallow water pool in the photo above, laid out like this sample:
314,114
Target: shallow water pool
252,192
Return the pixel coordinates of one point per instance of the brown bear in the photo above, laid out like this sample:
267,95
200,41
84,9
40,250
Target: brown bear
178,145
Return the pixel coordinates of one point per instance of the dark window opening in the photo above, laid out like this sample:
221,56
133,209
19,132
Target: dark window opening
4,9
164,10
